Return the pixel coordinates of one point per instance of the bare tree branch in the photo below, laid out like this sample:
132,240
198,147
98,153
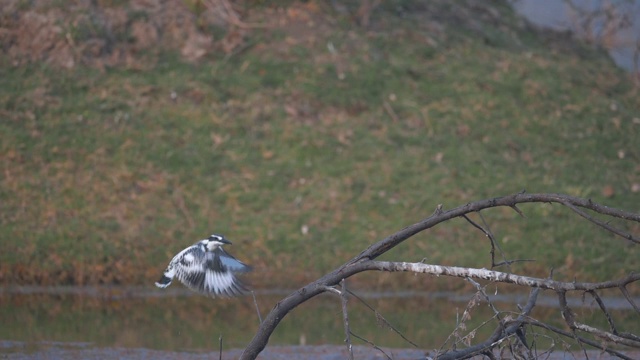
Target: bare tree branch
491,275
364,260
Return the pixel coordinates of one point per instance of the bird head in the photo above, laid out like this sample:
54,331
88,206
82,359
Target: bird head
214,241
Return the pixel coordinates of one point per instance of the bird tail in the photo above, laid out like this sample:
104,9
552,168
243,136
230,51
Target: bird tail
163,282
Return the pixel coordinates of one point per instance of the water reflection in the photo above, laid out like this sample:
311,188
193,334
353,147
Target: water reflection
176,320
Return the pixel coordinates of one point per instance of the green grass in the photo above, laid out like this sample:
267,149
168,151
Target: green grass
105,176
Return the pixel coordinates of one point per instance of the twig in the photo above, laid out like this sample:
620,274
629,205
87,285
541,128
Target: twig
494,244
603,224
569,318
488,235
461,324
612,326
372,345
567,315
487,232
345,318
220,346
516,209
580,339
480,290
497,244
605,335
255,302
381,318
625,292
501,332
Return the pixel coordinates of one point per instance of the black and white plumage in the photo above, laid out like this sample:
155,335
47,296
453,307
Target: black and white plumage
206,268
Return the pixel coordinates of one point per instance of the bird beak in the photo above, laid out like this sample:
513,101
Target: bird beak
225,241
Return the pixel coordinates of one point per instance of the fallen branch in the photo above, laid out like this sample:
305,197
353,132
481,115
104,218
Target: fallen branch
365,260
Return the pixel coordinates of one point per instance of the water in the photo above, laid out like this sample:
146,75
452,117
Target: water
157,322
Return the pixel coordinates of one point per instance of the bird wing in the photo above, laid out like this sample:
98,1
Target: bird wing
220,260
210,273
188,267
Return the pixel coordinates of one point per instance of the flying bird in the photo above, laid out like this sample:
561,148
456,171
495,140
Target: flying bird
206,268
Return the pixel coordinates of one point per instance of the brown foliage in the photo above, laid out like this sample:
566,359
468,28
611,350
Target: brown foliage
104,35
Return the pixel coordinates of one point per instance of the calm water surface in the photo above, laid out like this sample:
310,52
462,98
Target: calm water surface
176,320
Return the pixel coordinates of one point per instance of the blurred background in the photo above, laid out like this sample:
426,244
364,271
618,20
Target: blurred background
303,131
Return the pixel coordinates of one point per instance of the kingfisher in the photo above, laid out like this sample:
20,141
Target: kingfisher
205,267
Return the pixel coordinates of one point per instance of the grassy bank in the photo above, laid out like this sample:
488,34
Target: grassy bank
318,139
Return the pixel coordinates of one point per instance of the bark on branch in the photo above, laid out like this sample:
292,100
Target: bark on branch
494,276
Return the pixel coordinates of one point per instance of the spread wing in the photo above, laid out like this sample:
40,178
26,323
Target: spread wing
220,260
211,273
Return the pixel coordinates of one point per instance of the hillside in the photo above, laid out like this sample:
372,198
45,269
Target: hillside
304,133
